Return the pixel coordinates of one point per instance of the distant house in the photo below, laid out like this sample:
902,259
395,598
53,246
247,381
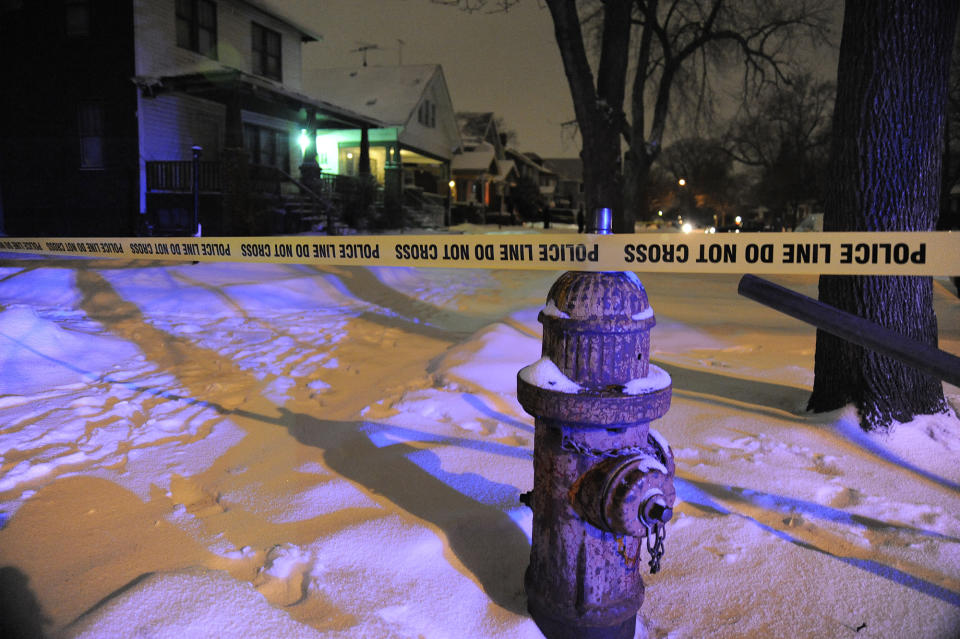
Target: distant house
530,166
410,155
100,129
569,189
482,173
474,174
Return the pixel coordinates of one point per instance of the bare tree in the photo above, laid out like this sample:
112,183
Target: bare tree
785,134
706,173
685,44
888,129
656,49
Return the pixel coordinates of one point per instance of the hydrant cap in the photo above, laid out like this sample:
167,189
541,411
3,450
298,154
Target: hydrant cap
602,296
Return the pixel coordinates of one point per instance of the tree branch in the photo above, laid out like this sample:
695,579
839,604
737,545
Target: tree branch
569,37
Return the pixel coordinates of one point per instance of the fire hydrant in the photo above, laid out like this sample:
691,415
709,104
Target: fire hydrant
603,479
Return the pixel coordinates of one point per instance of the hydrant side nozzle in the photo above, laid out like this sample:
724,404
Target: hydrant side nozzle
655,510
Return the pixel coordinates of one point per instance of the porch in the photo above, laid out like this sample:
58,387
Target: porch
276,202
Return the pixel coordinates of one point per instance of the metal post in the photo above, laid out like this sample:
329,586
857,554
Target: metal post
600,222
197,150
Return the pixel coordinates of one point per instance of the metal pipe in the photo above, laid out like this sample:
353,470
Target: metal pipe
852,328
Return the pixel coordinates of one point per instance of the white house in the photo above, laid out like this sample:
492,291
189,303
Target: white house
226,76
410,154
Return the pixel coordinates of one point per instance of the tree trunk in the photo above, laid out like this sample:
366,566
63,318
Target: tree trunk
636,176
602,180
885,170
599,107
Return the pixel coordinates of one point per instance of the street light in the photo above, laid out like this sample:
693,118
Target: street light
682,182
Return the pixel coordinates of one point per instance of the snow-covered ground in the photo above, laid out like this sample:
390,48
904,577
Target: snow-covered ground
231,450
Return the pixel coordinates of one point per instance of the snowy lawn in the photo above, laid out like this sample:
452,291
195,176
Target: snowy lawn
231,450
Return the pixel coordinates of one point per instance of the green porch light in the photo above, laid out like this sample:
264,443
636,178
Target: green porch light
304,141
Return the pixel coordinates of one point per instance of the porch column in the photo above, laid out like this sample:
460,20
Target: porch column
310,172
447,178
310,152
364,162
235,215
393,188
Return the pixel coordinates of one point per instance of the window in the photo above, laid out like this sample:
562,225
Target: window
77,18
266,52
90,127
267,147
427,114
197,26
349,160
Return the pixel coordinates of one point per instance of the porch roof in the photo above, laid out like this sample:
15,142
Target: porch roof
218,83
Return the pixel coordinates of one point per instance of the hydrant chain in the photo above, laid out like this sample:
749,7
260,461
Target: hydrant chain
659,533
575,447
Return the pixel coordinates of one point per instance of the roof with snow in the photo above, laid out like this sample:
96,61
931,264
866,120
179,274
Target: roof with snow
387,93
481,159
506,167
528,159
210,75
474,126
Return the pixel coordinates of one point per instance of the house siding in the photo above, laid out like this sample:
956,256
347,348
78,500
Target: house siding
439,140
158,53
171,124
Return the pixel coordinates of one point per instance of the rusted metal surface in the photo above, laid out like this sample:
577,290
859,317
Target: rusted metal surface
603,483
607,409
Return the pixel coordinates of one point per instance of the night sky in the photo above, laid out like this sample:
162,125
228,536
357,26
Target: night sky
505,63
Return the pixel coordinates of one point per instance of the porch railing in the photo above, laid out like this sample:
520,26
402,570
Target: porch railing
177,176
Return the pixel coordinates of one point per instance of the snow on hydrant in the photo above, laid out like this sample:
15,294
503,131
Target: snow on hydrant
603,479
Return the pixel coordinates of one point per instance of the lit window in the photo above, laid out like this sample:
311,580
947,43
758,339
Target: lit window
90,126
197,26
266,52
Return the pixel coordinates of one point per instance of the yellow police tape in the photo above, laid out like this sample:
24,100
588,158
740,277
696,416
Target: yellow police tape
900,253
